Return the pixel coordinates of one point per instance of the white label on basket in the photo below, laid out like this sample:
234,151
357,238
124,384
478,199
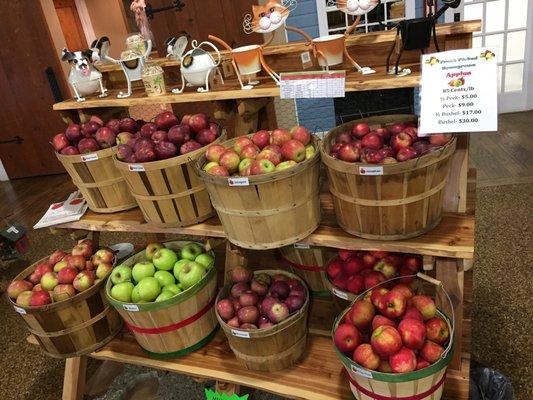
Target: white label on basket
89,157
19,310
238,181
136,167
362,372
130,307
371,170
340,294
240,334
302,246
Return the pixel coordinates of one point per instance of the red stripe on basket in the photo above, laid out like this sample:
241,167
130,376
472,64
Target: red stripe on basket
176,326
313,268
376,396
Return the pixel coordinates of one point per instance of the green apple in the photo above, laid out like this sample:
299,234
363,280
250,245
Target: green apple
178,266
191,274
151,250
164,259
149,288
165,295
309,151
191,250
205,259
210,165
135,296
122,292
173,288
165,278
120,274
141,270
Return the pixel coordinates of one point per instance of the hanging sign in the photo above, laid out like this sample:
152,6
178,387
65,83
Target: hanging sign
459,92
312,84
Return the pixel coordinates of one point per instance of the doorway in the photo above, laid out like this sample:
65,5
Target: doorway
71,26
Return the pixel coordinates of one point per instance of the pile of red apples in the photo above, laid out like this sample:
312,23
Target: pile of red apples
357,271
393,331
260,301
63,276
262,153
388,145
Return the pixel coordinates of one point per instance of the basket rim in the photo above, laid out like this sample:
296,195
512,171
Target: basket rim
349,364
276,328
259,179
176,299
110,151
78,297
169,162
388,169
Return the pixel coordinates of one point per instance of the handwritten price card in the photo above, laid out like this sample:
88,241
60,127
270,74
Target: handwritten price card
312,84
459,92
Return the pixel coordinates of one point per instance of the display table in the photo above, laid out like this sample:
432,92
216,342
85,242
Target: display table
448,250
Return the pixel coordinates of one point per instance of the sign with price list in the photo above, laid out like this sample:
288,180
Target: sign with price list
459,92
312,84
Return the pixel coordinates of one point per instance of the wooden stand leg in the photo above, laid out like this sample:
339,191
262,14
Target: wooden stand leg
451,274
234,256
102,379
74,381
96,239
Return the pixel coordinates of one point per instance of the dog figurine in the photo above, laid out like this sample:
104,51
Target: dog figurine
84,78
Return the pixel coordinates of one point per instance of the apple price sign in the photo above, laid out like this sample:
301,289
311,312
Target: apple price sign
459,92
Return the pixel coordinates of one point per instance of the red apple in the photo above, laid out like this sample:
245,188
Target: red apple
413,132
70,151
400,141
386,268
413,263
240,274
179,134
437,330
334,268
396,128
218,170
301,134
344,255
413,333
190,146
127,125
40,298
248,315
74,133
263,166
371,156
198,122
186,119
372,141
431,352
279,137
113,124
440,139
425,305
349,152
403,361
386,152
261,139
39,271
365,356
63,292
230,160
142,143
404,290
225,309
373,278
369,260
394,305
294,302
380,320
385,367
360,130
384,133
238,288
361,314
353,266
83,281
148,129
376,297
413,313
249,151
67,275
293,150
214,152
105,137
405,154
17,287
123,152
215,128
159,136
277,312
248,298
340,282
165,120
78,261
343,138
421,364
89,128
386,340
88,145
346,338
60,142
165,150
355,284
280,290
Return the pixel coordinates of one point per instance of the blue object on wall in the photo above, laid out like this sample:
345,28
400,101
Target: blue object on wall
315,114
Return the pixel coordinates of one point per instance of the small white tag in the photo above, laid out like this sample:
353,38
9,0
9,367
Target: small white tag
130,307
362,372
136,167
371,170
240,334
19,310
238,181
306,57
12,229
340,294
89,157
302,246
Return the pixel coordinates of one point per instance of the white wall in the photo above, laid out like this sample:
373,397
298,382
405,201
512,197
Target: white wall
3,174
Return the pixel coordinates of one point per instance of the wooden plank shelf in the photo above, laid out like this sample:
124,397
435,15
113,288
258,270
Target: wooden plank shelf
453,237
231,91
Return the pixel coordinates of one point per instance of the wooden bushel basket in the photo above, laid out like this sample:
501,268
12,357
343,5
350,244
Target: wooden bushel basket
177,326
99,181
404,202
72,327
271,349
309,264
424,384
169,192
271,210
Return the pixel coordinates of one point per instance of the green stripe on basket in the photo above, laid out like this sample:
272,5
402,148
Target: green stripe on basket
184,352
321,293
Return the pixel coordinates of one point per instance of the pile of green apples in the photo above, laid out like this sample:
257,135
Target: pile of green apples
163,274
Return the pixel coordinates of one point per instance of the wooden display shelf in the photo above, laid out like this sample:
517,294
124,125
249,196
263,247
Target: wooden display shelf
453,237
232,91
